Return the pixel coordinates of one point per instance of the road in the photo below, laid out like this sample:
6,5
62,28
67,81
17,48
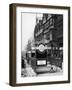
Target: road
41,71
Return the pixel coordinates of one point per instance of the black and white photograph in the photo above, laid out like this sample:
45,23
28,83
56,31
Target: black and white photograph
40,49
42,44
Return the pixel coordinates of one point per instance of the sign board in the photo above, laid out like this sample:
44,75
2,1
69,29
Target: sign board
41,47
41,62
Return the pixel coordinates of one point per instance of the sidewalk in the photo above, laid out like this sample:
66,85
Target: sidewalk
28,71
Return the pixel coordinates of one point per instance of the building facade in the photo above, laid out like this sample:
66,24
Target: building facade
49,31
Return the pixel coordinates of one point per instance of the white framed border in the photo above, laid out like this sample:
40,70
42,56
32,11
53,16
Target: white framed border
63,77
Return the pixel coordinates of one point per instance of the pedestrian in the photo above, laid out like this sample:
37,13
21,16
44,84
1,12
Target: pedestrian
23,63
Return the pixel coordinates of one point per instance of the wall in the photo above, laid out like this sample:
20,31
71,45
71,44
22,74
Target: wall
4,45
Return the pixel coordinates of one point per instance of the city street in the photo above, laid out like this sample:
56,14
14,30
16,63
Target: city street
41,71
44,50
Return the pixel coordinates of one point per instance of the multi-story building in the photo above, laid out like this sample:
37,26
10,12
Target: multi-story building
58,24
49,30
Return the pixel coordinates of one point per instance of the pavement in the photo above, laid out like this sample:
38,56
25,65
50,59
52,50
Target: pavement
28,71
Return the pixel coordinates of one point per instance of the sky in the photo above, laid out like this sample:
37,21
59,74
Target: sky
28,25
